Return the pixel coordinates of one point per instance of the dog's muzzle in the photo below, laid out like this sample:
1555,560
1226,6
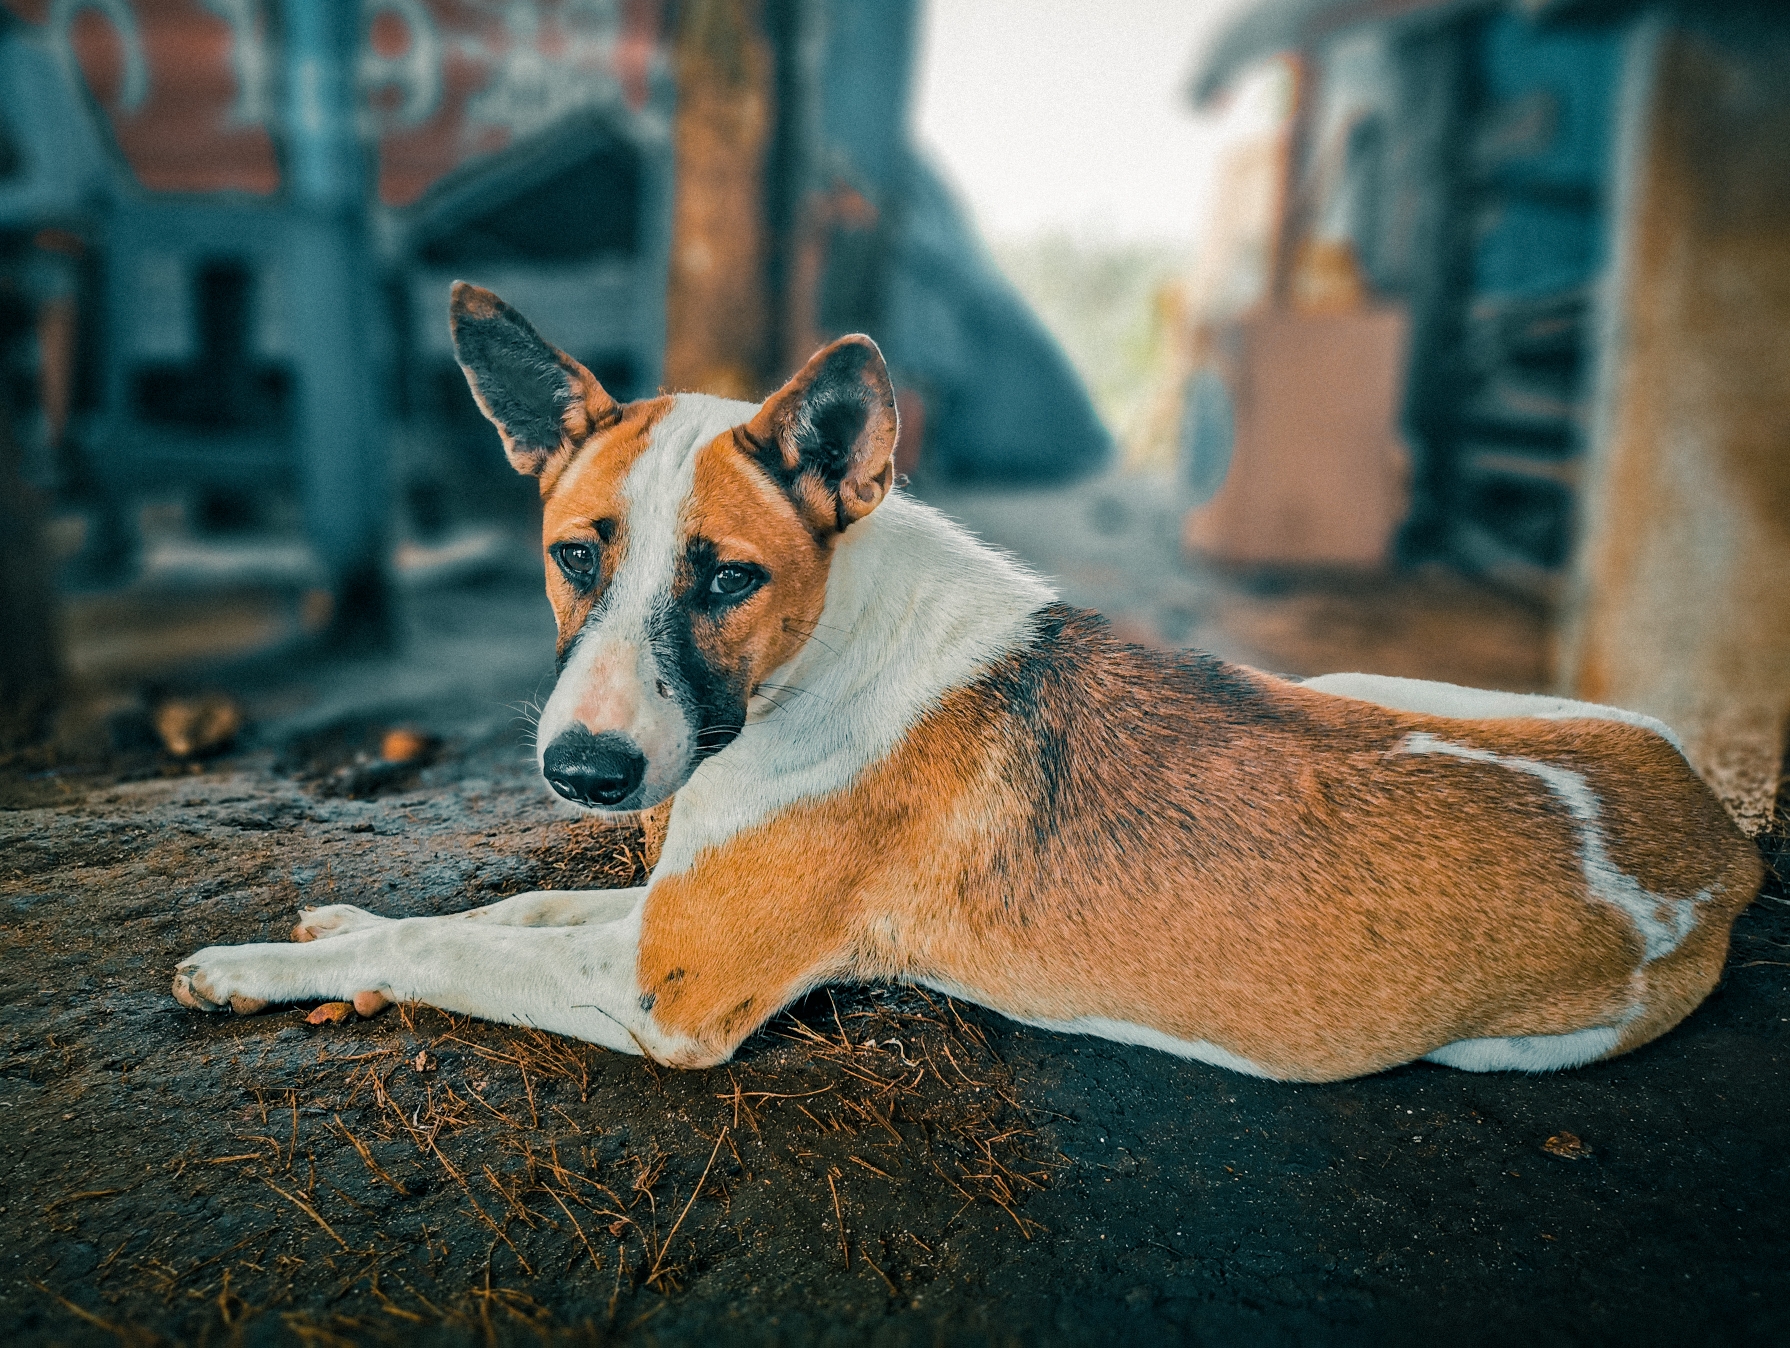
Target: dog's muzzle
600,770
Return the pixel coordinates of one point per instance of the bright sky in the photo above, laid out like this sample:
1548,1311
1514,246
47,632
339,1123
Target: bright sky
1069,113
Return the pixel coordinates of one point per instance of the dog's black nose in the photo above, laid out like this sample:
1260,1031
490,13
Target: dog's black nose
593,769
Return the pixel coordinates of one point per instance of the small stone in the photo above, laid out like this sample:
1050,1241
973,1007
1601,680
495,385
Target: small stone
1567,1146
330,1013
194,727
406,744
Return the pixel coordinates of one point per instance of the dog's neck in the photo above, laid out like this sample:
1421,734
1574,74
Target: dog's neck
915,606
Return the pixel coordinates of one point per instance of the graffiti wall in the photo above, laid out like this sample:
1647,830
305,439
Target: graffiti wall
188,86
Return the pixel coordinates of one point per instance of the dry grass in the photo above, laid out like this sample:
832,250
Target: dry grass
594,854
426,1169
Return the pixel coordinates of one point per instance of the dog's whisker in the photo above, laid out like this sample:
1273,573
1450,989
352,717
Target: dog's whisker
792,689
791,625
814,623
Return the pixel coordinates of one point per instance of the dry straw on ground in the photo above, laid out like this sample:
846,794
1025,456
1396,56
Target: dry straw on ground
426,1169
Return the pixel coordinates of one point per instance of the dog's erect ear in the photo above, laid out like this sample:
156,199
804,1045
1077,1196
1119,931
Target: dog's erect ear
538,397
828,435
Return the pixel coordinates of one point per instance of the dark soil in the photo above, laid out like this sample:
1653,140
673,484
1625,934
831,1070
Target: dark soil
877,1167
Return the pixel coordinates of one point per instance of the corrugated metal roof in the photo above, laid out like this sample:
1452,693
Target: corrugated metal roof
1286,25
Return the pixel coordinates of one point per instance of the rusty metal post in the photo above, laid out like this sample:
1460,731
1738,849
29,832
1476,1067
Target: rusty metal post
719,316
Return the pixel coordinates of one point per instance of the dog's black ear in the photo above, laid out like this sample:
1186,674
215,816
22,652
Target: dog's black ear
828,435
538,397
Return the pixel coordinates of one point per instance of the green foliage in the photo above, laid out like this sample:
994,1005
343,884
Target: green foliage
1102,300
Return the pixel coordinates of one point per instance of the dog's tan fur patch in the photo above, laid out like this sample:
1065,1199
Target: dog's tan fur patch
1273,876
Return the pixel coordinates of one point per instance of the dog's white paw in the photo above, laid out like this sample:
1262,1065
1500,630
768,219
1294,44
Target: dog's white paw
250,978
224,978
336,919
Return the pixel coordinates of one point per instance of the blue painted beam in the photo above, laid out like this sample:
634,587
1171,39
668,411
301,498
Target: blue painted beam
333,306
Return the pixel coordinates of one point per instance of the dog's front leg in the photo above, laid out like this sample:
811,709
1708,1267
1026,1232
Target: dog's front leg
559,908
538,908
578,981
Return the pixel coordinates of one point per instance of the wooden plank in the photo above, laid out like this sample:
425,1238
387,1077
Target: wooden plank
1318,473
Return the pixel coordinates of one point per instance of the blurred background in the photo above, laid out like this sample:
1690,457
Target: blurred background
1445,338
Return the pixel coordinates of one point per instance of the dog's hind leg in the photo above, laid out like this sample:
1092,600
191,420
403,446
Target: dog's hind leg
539,908
576,980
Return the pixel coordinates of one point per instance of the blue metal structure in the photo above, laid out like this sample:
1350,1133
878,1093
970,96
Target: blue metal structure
1465,160
1003,400
249,349
340,400
1500,413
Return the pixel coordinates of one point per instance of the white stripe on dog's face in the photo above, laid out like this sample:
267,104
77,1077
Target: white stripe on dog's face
617,676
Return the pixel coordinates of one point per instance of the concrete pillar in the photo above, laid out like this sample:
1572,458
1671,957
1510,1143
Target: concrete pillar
1681,604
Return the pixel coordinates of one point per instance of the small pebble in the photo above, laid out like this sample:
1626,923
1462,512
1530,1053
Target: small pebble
1567,1146
406,744
192,727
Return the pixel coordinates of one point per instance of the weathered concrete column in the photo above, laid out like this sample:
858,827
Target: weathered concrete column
341,433
1682,596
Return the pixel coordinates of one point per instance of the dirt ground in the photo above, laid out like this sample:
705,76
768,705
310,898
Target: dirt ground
878,1166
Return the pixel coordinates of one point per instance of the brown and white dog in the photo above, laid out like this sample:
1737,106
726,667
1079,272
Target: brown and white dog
895,756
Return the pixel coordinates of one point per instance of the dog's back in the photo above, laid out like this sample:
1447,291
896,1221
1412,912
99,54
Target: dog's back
1167,848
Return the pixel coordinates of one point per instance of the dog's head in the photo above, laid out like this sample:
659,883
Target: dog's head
687,541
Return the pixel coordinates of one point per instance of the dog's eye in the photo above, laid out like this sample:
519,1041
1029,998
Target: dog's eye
733,580
577,560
